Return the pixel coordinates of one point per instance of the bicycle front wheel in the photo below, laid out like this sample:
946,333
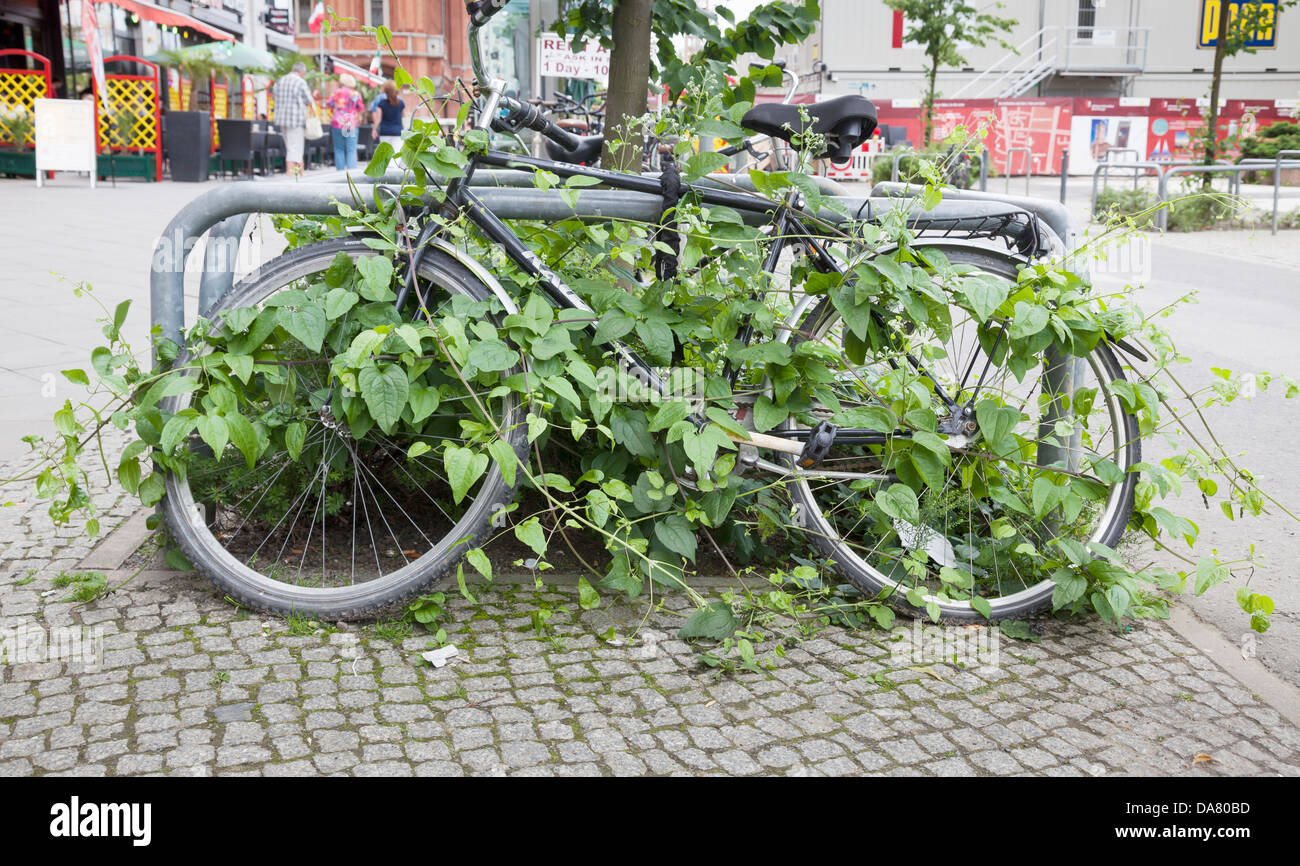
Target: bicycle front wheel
988,513
358,520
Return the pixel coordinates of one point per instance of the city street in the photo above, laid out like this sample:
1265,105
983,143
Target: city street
191,684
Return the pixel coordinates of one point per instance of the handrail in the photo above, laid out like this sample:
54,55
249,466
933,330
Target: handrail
992,68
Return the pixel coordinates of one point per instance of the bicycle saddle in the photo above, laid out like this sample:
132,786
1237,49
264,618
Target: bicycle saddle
846,122
586,154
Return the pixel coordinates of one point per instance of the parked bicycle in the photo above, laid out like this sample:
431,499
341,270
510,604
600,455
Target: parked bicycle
355,510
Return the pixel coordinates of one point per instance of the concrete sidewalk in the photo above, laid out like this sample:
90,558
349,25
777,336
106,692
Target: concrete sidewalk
189,684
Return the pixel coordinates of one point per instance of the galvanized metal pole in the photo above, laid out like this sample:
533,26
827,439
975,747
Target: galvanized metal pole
1277,180
1065,170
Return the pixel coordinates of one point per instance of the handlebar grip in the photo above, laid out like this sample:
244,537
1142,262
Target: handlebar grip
562,137
531,117
481,10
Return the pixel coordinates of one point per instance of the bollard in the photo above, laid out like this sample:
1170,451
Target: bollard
1065,172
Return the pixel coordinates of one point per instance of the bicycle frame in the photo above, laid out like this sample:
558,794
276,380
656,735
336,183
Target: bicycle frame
787,223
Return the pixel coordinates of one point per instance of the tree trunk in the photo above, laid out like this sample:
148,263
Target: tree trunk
929,104
1212,118
629,79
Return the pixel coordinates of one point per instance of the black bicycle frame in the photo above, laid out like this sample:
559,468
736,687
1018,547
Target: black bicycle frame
784,218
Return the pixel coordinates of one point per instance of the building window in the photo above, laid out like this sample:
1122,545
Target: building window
1086,19
376,12
303,10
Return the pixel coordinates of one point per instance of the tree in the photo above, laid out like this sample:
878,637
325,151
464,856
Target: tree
629,77
1244,24
943,27
641,53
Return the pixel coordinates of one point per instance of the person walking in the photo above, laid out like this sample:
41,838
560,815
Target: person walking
292,102
388,111
348,107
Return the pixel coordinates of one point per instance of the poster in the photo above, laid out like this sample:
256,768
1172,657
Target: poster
1099,126
1042,125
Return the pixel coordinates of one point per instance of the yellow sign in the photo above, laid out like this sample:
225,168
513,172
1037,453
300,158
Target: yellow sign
1264,12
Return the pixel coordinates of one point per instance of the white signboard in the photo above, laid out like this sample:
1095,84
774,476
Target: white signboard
557,59
65,136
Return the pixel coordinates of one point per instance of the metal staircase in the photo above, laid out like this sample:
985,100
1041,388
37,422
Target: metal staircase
1060,51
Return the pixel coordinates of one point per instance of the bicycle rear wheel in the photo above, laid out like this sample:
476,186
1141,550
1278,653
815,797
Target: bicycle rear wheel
358,521
974,549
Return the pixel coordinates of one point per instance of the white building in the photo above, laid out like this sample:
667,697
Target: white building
1144,48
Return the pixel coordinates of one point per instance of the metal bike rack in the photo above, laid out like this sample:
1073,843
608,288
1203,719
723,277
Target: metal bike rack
1277,179
1234,172
1107,161
223,214
1029,165
1138,168
898,153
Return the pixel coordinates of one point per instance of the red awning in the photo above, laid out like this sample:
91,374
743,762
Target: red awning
158,15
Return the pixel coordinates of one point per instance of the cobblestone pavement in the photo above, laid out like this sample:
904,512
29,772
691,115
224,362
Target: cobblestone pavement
188,684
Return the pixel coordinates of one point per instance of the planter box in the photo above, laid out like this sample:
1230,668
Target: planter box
19,162
188,140
125,165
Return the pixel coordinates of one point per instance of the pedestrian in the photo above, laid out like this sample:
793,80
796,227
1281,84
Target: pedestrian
348,108
388,111
292,102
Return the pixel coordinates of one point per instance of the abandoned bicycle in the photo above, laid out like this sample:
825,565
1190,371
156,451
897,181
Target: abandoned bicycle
354,504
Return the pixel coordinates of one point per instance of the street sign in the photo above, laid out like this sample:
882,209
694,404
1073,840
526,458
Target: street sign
65,137
557,59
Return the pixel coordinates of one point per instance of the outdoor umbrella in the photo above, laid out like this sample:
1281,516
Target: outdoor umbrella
235,55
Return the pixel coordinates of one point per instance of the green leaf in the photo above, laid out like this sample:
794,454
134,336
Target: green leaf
244,437
676,534
714,622
306,323
588,598
530,533
76,377
214,431
338,302
385,392
984,293
505,457
899,501
376,273
1029,320
768,415
463,466
294,437
481,563
703,163
614,325
493,356
418,448
996,423
1209,573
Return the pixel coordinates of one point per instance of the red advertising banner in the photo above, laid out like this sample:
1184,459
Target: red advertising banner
1042,125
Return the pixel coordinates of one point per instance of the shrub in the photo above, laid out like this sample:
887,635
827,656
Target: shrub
1135,203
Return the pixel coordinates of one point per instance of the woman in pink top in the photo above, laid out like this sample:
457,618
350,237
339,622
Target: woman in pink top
349,108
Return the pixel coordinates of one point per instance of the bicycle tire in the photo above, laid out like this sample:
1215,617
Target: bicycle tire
249,584
860,571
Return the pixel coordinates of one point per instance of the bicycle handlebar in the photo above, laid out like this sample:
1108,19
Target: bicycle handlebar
481,10
531,117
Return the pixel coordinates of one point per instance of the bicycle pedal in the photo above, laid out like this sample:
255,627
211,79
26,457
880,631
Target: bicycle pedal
820,440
